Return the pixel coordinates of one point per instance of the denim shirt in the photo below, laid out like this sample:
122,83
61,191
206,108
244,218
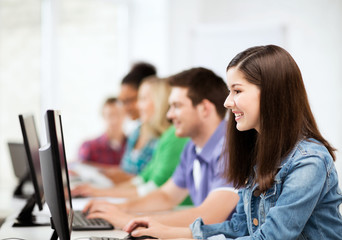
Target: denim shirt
303,203
134,162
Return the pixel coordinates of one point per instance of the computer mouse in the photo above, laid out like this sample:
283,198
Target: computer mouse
130,237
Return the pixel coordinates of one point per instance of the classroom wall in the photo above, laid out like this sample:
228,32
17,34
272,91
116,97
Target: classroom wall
19,73
173,35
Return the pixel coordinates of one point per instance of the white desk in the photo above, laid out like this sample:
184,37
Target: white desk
7,203
44,233
7,231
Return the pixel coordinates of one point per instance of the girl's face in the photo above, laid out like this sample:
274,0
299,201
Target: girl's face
128,97
243,100
145,103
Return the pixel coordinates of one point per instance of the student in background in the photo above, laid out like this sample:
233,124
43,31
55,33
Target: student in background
276,153
129,93
196,111
141,144
128,96
167,153
108,149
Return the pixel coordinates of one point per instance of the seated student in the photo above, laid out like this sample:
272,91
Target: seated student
164,161
196,111
276,153
128,97
129,93
107,149
152,105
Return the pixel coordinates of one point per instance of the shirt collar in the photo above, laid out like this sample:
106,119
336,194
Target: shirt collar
207,151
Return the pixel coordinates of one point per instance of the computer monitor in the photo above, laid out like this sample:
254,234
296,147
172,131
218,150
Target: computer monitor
20,166
31,143
55,177
19,159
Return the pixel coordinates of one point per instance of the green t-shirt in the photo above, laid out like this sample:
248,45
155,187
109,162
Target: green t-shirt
165,159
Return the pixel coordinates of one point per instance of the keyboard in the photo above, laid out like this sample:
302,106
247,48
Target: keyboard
81,223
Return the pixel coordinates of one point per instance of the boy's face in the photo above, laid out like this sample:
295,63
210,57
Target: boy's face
183,114
113,115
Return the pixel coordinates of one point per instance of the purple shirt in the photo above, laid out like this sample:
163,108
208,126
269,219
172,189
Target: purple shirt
211,167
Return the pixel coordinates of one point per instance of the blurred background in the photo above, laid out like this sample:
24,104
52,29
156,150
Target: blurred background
72,54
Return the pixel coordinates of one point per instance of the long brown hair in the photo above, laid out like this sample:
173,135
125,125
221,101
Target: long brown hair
285,117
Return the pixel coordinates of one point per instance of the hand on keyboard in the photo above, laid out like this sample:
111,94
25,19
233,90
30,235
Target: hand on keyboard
129,237
81,222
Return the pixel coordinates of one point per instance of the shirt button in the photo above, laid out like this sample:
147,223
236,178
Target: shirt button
255,222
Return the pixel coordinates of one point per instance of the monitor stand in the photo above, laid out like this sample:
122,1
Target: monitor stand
25,217
54,235
18,192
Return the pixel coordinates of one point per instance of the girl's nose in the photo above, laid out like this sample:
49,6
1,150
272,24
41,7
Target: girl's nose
229,103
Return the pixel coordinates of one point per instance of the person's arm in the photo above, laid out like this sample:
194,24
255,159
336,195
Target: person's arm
145,226
299,195
297,201
165,198
150,227
215,208
123,191
236,227
120,176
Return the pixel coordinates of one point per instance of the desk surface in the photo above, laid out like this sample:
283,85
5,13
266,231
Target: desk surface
7,231
7,204
10,208
43,233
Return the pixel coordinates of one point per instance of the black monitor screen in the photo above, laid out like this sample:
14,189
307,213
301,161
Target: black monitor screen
64,168
55,176
31,145
31,142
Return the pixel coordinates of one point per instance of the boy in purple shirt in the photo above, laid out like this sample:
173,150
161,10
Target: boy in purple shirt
196,111
208,175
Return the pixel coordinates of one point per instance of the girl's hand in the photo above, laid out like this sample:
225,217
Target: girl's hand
146,226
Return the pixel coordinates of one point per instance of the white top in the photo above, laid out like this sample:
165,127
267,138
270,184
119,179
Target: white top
197,174
130,125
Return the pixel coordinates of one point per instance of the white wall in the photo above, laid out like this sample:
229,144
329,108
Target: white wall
19,72
168,33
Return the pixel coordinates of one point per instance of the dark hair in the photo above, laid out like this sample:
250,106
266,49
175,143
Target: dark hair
110,100
285,117
137,73
202,84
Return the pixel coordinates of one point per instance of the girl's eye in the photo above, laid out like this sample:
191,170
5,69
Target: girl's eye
237,91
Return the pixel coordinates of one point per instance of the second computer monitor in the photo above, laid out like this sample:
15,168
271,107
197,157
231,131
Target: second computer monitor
55,177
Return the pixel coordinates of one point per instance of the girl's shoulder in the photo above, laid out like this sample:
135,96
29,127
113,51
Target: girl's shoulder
308,150
311,147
